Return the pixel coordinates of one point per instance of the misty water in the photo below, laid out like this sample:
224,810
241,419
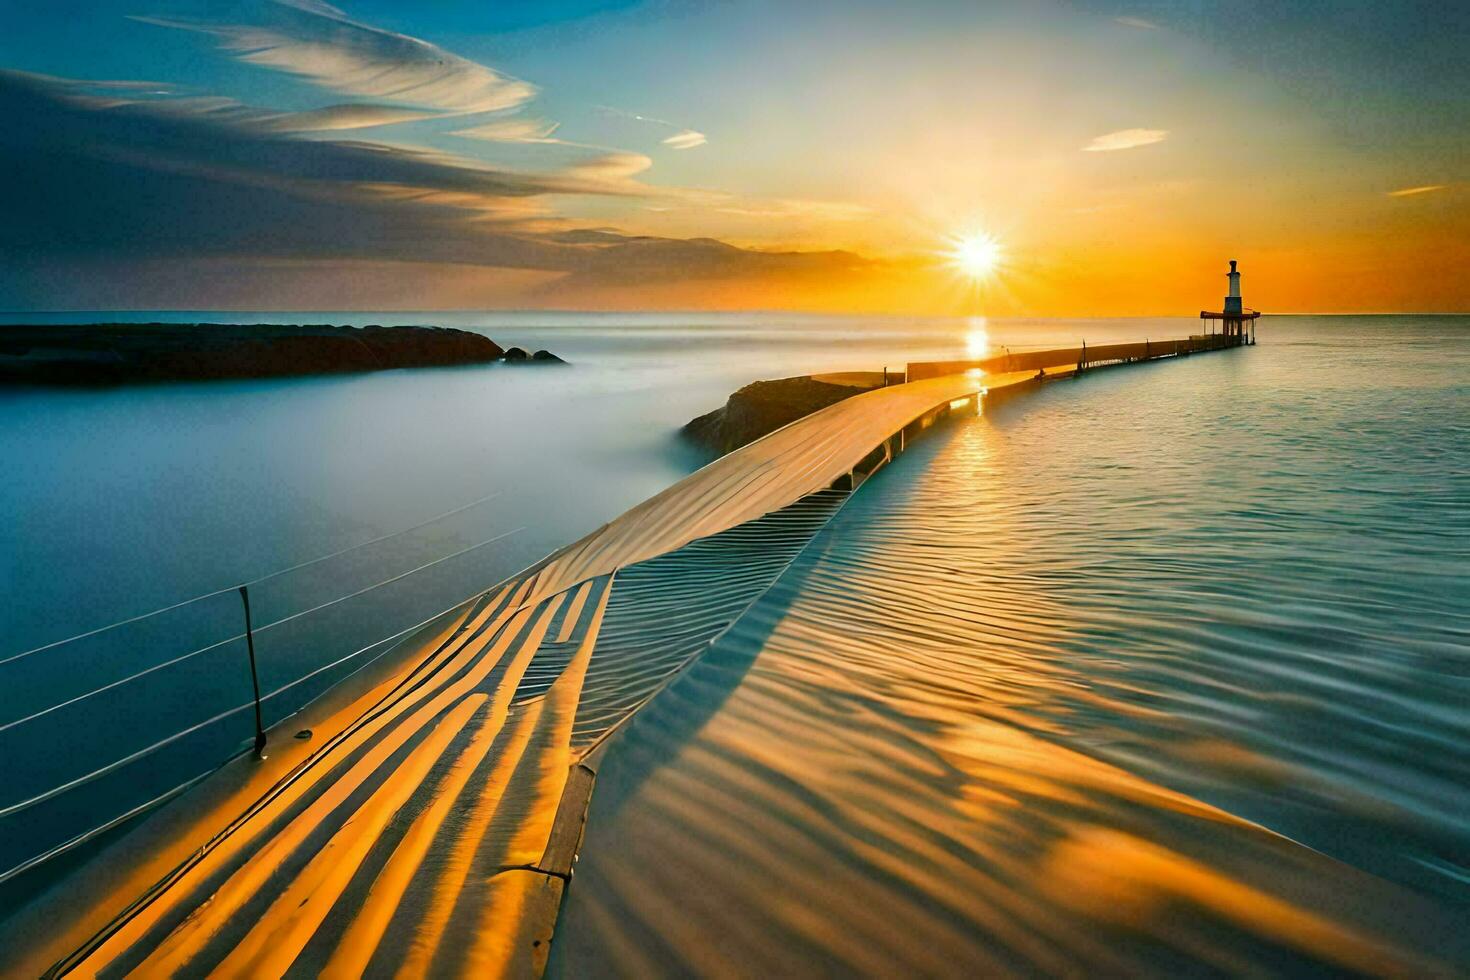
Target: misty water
124,500
1250,567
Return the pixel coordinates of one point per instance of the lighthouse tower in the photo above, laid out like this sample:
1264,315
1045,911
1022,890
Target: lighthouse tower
1232,298
1238,324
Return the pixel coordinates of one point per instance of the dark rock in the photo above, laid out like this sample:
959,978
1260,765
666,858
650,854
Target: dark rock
761,408
114,353
518,355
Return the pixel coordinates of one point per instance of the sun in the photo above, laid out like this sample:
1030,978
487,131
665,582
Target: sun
976,255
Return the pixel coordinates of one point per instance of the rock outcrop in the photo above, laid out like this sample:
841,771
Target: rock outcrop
109,353
761,408
518,355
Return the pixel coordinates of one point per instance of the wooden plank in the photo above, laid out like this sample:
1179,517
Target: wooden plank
571,818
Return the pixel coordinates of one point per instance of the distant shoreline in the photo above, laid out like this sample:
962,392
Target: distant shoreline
127,353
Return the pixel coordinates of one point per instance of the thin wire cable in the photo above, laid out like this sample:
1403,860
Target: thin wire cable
121,622
387,581
338,554
101,828
234,588
240,636
113,766
162,743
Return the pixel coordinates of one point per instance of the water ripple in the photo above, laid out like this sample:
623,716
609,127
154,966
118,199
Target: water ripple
1161,671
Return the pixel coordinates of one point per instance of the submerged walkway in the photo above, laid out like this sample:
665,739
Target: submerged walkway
429,823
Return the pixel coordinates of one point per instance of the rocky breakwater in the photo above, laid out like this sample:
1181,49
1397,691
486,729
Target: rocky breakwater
113,353
518,355
763,407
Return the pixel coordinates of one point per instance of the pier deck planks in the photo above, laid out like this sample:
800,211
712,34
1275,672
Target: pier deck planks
432,827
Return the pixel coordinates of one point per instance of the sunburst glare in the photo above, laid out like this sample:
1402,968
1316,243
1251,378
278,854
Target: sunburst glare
976,255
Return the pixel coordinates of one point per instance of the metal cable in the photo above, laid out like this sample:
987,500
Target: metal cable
240,636
162,743
233,588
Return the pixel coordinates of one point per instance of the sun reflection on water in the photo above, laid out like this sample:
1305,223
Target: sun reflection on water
903,768
977,336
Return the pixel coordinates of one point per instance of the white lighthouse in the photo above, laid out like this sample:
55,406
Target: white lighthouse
1232,298
1235,318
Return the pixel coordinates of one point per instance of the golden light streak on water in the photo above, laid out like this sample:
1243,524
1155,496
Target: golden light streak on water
898,763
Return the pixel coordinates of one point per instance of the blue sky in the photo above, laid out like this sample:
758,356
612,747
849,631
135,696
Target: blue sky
815,155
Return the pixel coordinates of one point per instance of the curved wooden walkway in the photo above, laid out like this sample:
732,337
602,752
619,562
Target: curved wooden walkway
430,824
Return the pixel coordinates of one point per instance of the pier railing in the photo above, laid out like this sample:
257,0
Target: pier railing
97,727
1083,356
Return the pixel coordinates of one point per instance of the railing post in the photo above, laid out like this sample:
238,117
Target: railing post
254,677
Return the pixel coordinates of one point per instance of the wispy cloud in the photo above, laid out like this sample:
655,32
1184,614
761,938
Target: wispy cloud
608,163
422,81
687,140
610,166
321,44
1411,191
788,208
1138,22
355,115
1125,139
191,180
684,139
230,145
511,131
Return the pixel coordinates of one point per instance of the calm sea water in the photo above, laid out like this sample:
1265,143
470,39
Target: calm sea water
1159,671
1241,577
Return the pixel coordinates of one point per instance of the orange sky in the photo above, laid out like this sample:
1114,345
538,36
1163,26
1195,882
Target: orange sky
595,158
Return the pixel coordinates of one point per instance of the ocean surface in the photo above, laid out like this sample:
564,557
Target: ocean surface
1158,671
1206,618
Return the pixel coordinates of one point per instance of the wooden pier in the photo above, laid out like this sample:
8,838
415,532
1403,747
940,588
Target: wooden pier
430,823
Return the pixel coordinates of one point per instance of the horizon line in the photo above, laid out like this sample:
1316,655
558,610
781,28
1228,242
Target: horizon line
722,312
